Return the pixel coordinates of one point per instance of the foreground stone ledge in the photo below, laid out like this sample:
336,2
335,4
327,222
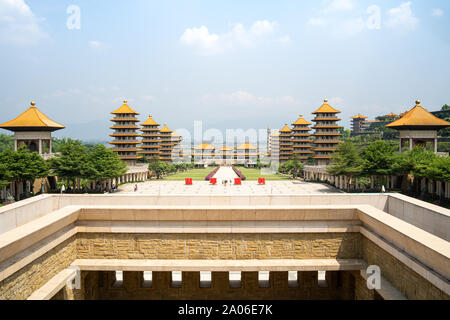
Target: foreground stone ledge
220,265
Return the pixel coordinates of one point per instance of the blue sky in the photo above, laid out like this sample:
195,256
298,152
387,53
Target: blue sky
232,64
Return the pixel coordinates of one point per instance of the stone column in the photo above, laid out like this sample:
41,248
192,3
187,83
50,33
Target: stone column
40,146
410,143
435,145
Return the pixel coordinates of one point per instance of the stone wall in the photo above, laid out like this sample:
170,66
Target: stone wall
408,282
218,246
23,283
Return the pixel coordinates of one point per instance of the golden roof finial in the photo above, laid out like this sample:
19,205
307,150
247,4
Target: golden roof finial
325,100
33,103
125,101
301,116
417,102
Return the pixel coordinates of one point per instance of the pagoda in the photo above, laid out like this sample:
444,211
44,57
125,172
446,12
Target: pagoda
285,143
33,129
418,126
177,149
327,136
150,138
125,134
359,124
203,153
166,144
302,143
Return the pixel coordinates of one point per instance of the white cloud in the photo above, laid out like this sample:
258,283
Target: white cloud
96,45
402,18
285,40
316,22
206,43
18,24
437,12
336,101
339,5
245,98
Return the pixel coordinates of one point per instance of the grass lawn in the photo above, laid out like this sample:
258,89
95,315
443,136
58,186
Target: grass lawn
195,174
253,174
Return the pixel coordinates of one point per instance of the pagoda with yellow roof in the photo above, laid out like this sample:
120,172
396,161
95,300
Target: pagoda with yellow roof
150,138
326,136
418,126
177,149
203,153
286,145
33,129
125,134
301,142
166,144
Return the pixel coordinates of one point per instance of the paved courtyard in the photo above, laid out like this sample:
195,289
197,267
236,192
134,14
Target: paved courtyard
247,187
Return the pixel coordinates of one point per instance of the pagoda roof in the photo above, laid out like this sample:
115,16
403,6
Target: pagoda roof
286,129
125,109
326,108
359,116
246,146
225,148
276,134
176,134
32,119
205,146
150,122
418,117
391,115
165,129
301,121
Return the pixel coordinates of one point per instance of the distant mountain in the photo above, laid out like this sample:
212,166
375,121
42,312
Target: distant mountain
92,132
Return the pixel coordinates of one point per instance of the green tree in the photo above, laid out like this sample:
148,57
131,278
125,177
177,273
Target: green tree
377,159
72,163
23,166
104,164
157,167
416,162
6,142
293,167
346,161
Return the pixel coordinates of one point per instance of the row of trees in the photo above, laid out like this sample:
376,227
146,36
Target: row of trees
160,168
74,164
381,159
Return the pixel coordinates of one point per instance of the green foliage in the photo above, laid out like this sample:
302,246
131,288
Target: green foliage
293,167
415,161
439,169
157,167
23,165
72,161
6,142
445,107
104,164
346,160
378,158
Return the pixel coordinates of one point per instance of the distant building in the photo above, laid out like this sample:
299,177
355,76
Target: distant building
301,142
177,149
33,129
166,144
326,136
150,138
418,127
125,134
286,144
247,154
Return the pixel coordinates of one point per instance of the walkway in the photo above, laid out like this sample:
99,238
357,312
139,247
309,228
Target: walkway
247,187
225,173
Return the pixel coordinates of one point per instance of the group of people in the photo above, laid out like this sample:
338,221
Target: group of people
225,182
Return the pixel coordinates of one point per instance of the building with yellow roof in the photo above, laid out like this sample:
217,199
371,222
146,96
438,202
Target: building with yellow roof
418,126
166,144
33,129
301,142
247,154
286,145
274,147
177,149
125,134
326,135
150,138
